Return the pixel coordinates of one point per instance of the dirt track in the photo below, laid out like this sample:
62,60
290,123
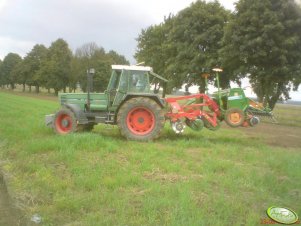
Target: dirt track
8,215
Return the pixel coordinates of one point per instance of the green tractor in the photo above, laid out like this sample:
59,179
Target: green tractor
128,102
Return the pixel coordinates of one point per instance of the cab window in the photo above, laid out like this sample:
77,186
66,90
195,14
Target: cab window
139,81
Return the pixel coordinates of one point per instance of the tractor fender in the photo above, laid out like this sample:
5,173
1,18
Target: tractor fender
78,112
160,102
154,97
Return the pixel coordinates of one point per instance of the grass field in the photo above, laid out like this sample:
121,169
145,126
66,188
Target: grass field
227,177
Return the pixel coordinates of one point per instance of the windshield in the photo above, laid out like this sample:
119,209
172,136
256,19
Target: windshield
139,81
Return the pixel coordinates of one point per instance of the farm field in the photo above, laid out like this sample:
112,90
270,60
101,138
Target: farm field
227,177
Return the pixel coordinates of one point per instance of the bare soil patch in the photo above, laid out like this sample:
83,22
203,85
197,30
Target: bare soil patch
276,134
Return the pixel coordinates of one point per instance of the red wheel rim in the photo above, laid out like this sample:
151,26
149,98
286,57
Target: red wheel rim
140,121
63,123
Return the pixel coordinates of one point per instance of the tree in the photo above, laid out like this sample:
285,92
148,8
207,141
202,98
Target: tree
263,41
155,47
198,34
90,55
57,66
31,66
7,69
18,74
185,44
116,58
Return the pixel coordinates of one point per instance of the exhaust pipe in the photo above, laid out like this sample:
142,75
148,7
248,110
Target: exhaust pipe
90,73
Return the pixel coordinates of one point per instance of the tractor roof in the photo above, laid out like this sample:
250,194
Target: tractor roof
138,68
132,68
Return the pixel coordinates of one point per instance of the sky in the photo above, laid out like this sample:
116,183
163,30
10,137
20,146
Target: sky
112,24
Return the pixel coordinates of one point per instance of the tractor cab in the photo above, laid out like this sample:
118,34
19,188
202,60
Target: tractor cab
130,80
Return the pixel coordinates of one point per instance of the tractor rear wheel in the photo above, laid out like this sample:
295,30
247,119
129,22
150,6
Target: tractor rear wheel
234,117
64,122
140,119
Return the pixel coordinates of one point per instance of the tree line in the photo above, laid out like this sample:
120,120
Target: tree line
58,68
260,40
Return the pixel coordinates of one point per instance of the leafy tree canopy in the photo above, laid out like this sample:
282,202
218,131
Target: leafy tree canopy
7,68
263,41
185,44
31,65
57,65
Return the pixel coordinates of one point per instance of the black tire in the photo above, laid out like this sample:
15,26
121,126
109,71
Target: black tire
147,106
238,119
64,122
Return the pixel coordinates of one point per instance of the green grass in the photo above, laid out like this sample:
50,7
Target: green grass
99,178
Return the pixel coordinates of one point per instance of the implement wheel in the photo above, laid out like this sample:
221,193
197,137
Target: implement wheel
64,122
234,117
140,119
209,126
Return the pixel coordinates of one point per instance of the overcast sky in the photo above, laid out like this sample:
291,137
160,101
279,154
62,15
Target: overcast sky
112,24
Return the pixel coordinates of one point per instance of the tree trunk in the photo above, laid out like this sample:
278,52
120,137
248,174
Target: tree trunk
168,89
56,92
224,82
23,90
12,86
64,89
37,89
48,90
30,88
202,87
273,100
265,100
70,89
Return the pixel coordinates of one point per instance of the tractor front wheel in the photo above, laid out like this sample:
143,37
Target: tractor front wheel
140,119
64,122
234,117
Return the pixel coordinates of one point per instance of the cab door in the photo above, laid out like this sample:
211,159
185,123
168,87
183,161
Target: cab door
117,87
